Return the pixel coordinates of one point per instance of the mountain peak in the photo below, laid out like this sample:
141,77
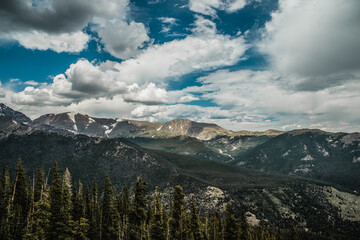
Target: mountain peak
9,112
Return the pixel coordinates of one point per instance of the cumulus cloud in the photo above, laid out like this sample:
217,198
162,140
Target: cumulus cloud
150,95
38,97
56,16
136,79
316,42
64,42
256,100
58,25
209,7
260,96
123,40
205,49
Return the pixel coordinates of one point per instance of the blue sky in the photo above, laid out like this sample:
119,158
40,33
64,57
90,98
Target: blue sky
243,64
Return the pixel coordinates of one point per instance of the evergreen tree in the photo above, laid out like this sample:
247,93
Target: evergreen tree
215,227
94,214
39,184
78,203
231,226
109,219
177,223
21,202
244,227
59,225
137,212
124,210
5,204
39,220
194,223
166,223
157,229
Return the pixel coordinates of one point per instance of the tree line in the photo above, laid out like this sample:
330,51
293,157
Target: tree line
62,210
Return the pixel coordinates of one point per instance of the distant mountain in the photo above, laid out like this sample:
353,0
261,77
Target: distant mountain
9,112
274,200
112,128
330,157
10,126
181,136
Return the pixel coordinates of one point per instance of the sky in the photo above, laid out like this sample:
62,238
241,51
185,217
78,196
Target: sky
242,64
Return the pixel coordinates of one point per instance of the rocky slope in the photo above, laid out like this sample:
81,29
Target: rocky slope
10,126
269,199
330,157
106,127
9,112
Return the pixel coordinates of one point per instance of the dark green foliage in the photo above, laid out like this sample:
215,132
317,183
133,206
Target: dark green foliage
21,202
109,217
39,220
5,204
94,214
78,202
137,211
244,227
194,223
231,227
215,227
157,224
60,206
177,222
58,213
39,184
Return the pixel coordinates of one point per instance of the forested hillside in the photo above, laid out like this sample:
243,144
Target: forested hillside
64,208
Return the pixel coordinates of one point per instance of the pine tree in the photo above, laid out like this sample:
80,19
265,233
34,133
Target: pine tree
21,202
39,184
157,229
165,218
194,223
215,227
137,211
244,227
124,210
78,202
177,224
231,226
39,220
5,204
59,225
94,214
109,218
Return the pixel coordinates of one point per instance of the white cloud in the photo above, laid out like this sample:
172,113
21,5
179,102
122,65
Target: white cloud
58,25
150,95
261,96
64,42
42,96
2,92
167,23
203,50
32,83
209,7
123,40
317,42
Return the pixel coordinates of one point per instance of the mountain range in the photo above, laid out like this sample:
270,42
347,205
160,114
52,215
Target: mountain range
307,178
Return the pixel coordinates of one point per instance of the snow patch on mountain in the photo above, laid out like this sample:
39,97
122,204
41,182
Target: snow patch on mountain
71,116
